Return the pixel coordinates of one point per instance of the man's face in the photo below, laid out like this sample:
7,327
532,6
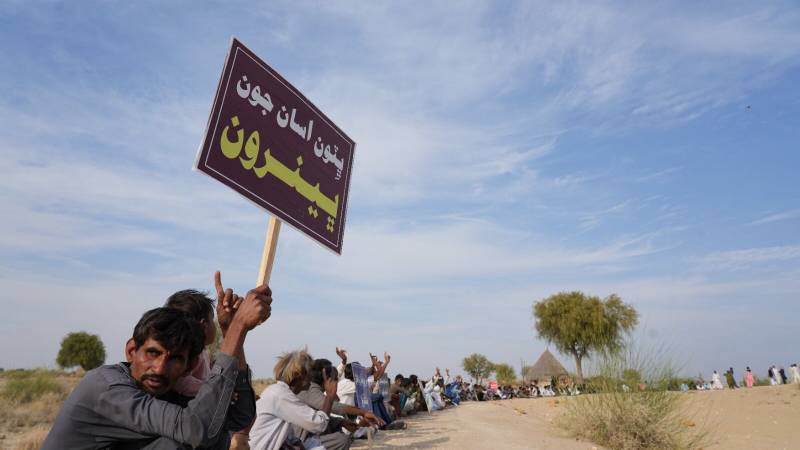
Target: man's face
155,368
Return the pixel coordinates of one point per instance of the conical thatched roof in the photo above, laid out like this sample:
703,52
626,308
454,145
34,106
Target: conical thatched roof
546,366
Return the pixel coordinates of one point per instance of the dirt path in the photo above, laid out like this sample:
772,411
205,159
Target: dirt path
743,419
511,424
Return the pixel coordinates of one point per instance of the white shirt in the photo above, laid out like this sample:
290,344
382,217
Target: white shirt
346,390
276,410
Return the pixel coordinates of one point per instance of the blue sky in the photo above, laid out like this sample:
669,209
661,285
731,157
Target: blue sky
506,151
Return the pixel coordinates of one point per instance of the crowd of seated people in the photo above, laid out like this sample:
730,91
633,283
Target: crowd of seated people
171,393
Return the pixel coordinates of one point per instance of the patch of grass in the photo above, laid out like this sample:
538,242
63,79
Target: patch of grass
646,416
28,389
33,438
19,374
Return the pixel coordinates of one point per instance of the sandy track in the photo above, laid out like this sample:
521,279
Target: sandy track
511,424
743,419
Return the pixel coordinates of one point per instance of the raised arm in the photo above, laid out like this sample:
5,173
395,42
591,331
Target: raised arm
200,422
381,367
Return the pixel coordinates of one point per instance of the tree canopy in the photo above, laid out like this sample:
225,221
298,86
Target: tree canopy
478,366
578,324
81,349
505,374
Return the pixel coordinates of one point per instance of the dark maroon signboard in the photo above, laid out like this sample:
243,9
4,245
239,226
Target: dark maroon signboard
269,143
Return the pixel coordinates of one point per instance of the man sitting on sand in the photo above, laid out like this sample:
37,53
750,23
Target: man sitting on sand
132,405
279,407
333,438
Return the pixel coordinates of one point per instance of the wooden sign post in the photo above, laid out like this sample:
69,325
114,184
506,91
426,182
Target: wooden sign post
268,256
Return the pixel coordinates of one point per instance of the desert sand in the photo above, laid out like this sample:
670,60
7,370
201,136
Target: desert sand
757,418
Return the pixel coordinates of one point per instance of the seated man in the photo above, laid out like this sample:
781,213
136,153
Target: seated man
453,388
397,395
314,397
347,386
131,405
279,408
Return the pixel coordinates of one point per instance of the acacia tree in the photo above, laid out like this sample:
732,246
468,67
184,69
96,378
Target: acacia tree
505,374
578,324
81,349
478,366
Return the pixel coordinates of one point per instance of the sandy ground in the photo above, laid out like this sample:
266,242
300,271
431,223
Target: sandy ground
507,424
758,418
743,419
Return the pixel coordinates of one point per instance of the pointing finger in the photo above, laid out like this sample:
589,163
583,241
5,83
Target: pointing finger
218,283
228,297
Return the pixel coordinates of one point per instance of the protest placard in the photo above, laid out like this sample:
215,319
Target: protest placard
361,378
269,143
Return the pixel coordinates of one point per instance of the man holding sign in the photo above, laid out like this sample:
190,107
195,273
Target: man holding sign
131,405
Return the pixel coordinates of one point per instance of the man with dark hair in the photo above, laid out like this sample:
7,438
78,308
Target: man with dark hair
201,308
334,438
396,391
131,405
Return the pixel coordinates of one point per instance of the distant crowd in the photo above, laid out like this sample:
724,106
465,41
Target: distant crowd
775,374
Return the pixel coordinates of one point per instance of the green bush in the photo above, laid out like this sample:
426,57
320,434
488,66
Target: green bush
28,389
616,418
674,384
81,349
758,381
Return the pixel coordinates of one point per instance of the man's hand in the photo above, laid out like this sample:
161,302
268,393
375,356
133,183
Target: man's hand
373,419
386,358
227,303
255,309
342,354
329,384
447,371
350,425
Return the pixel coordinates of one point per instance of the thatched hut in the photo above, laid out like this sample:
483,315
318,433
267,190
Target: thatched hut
545,369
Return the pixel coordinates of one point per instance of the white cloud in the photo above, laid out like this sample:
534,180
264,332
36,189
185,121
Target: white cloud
776,217
741,259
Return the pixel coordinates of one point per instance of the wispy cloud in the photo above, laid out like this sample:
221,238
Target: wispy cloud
776,217
740,259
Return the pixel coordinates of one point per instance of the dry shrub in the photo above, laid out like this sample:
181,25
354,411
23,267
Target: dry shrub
626,417
25,390
33,438
259,384
40,411
32,398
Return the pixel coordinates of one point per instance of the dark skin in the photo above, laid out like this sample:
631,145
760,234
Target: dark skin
155,368
237,316
303,382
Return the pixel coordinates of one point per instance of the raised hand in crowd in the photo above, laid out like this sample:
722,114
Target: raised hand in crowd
330,383
342,354
227,303
255,309
386,358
